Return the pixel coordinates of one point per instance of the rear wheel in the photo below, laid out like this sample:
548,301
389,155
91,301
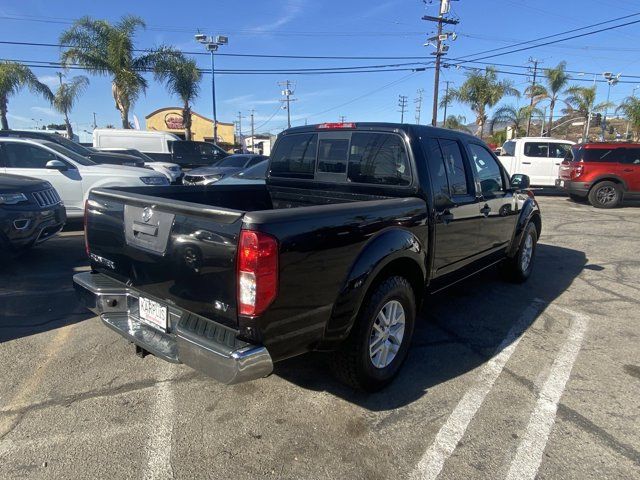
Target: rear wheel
605,195
379,341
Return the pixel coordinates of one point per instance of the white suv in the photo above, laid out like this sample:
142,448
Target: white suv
72,175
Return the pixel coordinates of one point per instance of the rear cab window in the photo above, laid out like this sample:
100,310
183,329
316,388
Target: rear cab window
378,158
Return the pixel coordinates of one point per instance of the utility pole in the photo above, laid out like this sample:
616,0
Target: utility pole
418,102
446,101
611,80
402,103
441,49
95,125
287,92
253,137
533,86
342,118
239,123
633,95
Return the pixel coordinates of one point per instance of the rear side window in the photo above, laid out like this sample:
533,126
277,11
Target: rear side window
378,158
536,149
604,155
633,156
509,148
454,166
559,150
294,156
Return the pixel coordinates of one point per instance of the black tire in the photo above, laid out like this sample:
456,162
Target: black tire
605,195
352,363
513,268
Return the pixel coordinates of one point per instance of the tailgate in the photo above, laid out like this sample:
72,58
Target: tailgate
180,253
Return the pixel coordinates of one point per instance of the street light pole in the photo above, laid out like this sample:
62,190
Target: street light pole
633,95
212,44
611,80
585,137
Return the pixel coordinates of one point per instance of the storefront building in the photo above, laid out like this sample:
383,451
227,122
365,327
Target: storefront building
169,119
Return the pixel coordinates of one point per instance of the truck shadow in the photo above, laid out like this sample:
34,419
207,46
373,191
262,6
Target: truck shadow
36,292
457,331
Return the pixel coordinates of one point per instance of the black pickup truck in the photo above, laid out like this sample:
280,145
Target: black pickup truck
355,225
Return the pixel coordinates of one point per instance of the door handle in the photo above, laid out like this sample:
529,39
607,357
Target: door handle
485,210
628,170
526,163
446,216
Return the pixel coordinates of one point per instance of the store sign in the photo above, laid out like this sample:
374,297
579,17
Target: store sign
174,121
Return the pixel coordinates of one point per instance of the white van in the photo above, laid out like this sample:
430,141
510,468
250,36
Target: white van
537,157
144,140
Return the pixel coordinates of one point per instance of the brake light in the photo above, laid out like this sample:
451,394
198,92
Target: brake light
336,125
577,170
257,272
86,214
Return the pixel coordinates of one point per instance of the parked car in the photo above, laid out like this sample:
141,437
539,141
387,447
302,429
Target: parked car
72,175
93,155
170,170
539,158
225,168
604,173
30,212
161,146
255,175
356,222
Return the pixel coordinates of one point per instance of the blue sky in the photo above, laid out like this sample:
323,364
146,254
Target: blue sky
306,27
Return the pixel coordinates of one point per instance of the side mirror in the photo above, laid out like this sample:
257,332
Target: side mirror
519,181
57,165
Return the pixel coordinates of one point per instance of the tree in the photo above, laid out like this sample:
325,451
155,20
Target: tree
13,77
182,78
514,117
482,90
581,101
456,122
630,107
556,79
66,96
108,49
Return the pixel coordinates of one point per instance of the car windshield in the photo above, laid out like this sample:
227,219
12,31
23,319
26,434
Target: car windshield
234,161
69,154
257,172
70,145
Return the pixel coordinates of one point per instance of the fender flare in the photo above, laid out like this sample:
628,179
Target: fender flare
528,211
379,252
610,177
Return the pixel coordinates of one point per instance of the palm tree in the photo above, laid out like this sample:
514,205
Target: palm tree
513,117
631,109
581,101
556,79
66,96
13,77
181,77
456,122
480,91
108,49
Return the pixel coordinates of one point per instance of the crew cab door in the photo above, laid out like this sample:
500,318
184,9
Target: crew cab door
496,202
457,212
31,160
535,162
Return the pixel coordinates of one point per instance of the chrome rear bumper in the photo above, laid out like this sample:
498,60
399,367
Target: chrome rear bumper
217,353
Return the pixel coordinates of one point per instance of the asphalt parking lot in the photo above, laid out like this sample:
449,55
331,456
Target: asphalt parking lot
503,381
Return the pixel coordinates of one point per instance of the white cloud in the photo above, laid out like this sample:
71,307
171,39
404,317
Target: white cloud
19,118
51,81
49,112
292,9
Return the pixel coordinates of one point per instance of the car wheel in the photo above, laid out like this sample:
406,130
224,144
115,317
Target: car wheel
605,195
379,341
518,269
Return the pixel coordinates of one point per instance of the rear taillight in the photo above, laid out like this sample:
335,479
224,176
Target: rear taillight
86,214
577,170
257,272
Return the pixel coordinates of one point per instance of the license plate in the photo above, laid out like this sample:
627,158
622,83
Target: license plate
152,313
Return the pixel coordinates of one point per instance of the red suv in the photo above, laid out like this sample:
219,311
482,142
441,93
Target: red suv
605,173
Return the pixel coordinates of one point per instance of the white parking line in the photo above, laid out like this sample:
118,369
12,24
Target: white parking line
161,429
450,434
529,454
